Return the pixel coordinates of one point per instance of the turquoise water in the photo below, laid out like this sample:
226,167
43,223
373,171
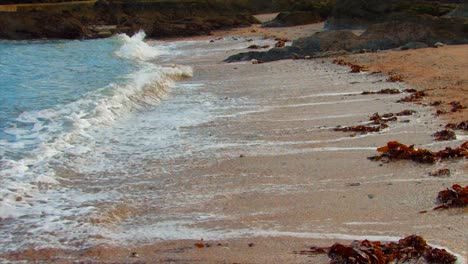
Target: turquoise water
41,75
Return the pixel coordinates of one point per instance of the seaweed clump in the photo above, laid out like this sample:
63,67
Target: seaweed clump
414,97
456,106
378,123
445,134
383,91
460,126
354,67
410,248
398,151
455,197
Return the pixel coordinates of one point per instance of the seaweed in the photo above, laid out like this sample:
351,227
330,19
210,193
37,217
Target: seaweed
415,96
440,173
376,252
361,128
354,67
383,91
456,106
378,123
280,42
258,47
398,151
395,78
460,126
377,119
444,135
457,196
435,103
405,113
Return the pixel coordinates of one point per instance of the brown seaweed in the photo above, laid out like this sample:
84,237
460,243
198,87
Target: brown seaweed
375,252
398,151
456,106
280,42
405,113
444,135
415,96
383,91
378,123
395,78
354,67
457,196
440,173
377,119
460,126
258,47
361,128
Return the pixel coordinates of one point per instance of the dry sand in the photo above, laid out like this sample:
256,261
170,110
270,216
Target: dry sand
284,181
442,72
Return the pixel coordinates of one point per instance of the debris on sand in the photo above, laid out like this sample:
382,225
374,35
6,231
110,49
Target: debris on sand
398,151
460,126
445,134
364,129
456,106
379,122
383,91
455,197
414,97
408,249
440,173
354,67
395,78
258,47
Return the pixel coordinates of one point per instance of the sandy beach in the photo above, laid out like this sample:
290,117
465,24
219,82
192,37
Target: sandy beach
277,178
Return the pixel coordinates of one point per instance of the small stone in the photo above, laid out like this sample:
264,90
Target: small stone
371,196
354,184
241,155
439,44
307,57
251,244
19,199
134,255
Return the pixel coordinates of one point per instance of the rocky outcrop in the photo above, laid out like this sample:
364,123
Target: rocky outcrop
37,25
288,19
158,19
425,30
349,14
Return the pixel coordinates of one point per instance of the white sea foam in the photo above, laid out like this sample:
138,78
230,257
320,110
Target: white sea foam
135,48
65,129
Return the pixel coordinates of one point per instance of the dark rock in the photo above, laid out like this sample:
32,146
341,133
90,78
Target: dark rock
460,11
360,14
413,45
294,18
36,25
419,31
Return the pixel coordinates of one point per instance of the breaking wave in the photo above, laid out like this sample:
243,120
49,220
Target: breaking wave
44,137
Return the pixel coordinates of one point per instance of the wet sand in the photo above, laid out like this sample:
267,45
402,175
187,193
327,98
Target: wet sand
279,179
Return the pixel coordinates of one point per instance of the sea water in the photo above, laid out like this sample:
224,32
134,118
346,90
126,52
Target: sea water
62,103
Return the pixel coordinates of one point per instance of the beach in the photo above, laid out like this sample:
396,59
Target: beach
264,174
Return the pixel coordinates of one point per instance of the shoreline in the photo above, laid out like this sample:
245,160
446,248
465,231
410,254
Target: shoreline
255,208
